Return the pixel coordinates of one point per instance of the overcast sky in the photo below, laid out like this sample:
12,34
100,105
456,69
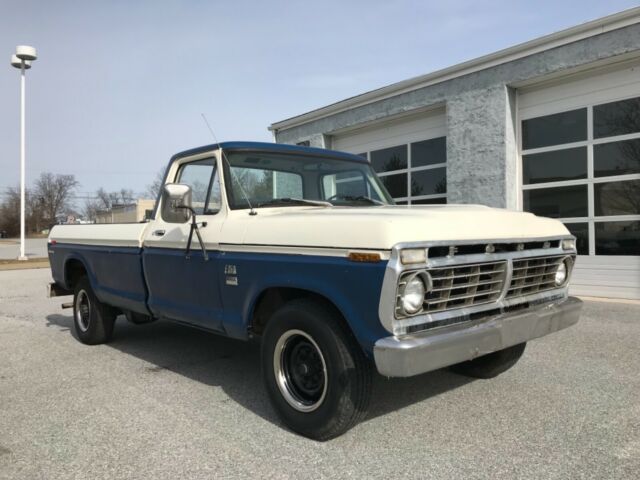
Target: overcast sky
119,85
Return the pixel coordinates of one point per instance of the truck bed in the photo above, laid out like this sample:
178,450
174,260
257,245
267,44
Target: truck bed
112,253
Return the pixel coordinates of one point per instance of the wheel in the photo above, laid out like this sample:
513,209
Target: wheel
315,372
492,364
93,321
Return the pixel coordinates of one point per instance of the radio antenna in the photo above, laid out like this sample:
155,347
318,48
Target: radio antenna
225,159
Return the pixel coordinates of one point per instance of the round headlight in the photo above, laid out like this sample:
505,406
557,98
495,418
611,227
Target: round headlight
563,272
413,295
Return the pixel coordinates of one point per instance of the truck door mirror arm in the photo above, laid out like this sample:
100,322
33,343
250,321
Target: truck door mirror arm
194,228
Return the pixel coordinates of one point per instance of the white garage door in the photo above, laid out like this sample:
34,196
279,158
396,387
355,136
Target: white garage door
580,152
409,154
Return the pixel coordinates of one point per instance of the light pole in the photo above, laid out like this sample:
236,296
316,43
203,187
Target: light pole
22,59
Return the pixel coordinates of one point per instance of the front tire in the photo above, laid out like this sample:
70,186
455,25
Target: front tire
315,372
492,364
93,321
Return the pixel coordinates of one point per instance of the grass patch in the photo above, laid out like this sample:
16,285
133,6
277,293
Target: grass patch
15,264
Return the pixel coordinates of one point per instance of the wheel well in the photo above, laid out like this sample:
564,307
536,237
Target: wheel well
272,299
73,271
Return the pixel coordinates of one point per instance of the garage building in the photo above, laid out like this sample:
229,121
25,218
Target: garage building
550,126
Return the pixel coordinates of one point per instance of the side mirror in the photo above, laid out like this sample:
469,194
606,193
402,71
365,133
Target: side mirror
176,203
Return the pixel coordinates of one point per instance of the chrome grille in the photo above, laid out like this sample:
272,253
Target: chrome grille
531,275
460,286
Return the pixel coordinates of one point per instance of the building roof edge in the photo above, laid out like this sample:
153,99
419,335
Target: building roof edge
584,30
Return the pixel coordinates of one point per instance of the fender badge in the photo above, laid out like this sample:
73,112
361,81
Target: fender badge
233,281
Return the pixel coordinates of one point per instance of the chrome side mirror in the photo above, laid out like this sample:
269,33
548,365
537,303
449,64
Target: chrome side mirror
176,203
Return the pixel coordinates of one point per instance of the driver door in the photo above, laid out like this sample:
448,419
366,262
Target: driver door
179,287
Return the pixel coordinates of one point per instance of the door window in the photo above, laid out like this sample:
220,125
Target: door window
202,177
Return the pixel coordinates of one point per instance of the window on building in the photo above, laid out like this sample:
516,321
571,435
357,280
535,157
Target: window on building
351,184
556,129
413,173
583,167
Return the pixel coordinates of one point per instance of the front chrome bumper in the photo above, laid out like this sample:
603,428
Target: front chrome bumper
408,355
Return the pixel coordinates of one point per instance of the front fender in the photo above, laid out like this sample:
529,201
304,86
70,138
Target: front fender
354,288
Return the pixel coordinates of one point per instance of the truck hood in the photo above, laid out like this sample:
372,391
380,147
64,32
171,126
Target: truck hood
383,227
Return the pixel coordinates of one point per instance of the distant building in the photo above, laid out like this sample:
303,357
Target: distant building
135,212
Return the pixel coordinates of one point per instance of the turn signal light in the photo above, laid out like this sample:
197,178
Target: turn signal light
364,257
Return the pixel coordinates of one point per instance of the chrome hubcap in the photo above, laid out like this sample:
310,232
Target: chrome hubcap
83,310
300,370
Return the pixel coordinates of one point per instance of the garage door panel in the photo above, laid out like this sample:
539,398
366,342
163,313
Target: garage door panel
591,89
630,263
611,279
409,154
429,125
605,291
539,110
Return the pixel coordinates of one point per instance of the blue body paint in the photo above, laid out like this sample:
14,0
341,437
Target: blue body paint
164,283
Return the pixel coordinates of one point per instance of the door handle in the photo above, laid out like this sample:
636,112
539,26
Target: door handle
158,233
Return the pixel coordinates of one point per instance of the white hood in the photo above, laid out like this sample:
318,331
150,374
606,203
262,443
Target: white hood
382,227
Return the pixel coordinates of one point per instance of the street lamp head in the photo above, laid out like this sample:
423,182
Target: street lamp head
16,62
25,52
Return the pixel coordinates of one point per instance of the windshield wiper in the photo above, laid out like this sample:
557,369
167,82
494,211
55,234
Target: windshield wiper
359,198
294,201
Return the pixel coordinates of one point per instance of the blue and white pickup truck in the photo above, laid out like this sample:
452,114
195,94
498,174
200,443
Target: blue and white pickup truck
304,249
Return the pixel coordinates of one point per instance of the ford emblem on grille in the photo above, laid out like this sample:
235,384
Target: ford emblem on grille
490,248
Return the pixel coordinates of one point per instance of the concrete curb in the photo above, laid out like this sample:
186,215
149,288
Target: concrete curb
626,301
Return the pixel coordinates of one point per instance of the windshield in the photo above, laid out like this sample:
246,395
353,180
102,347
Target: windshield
277,179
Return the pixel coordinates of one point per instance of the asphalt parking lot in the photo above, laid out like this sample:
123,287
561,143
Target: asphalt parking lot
165,401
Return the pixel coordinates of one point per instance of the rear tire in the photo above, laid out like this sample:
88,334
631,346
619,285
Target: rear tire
93,321
492,364
315,372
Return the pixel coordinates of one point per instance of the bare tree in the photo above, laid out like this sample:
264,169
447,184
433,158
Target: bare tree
103,199
53,194
124,196
10,213
91,208
50,197
106,201
153,189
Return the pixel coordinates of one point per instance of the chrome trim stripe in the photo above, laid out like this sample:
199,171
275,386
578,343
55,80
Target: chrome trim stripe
298,250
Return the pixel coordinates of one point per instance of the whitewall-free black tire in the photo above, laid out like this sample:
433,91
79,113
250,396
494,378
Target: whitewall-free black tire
93,321
315,372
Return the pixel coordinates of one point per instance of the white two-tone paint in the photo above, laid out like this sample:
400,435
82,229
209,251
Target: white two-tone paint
337,229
